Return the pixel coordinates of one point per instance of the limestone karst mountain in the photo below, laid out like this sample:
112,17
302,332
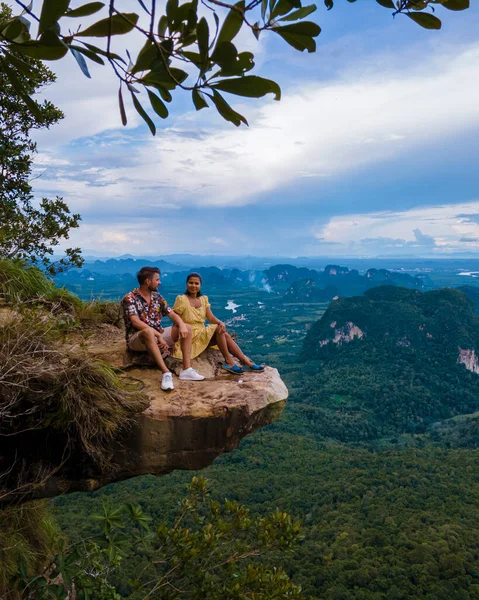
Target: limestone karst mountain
391,362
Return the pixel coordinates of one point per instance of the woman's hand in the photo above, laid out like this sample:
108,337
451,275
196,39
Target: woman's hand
220,327
183,331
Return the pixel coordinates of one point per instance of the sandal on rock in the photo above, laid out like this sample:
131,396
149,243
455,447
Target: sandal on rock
253,367
232,369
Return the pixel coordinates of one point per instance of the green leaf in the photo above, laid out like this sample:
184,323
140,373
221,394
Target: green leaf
89,54
162,88
97,50
157,105
177,74
81,62
162,26
386,3
425,20
250,86
456,4
225,54
244,62
43,51
307,28
226,111
198,100
232,24
141,111
124,120
283,7
18,63
193,57
118,25
299,42
300,13
203,35
52,10
171,9
146,57
86,10
184,12
328,4
164,93
15,30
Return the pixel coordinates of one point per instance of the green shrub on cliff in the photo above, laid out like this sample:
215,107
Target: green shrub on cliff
48,390
213,550
28,540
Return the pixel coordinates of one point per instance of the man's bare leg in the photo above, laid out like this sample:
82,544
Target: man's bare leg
150,340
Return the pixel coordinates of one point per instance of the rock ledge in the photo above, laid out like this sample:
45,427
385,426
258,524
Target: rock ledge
183,429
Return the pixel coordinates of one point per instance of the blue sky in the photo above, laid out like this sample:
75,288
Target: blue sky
372,150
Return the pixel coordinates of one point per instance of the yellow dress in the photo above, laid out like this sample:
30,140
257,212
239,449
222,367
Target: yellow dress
195,317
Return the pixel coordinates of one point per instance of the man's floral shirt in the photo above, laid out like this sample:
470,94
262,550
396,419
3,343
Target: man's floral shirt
135,305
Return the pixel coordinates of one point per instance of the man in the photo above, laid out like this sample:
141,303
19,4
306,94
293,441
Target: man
142,311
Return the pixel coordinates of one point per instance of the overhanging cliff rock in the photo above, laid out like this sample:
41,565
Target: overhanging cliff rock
183,429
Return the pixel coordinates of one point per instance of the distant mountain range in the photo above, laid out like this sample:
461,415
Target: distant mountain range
296,283
321,286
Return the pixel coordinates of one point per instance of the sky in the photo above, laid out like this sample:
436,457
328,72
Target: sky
372,150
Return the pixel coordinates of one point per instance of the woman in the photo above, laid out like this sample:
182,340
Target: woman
194,309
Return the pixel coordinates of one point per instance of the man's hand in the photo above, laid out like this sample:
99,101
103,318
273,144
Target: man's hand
183,330
161,342
221,327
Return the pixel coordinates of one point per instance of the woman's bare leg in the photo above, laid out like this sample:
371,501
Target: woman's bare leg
185,344
220,340
236,351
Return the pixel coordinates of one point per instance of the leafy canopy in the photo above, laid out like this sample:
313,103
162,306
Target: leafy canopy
182,49
27,231
213,550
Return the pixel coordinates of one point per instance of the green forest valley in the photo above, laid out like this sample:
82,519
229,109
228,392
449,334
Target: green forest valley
375,453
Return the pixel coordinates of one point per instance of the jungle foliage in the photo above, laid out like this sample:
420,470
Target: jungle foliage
29,231
182,48
213,549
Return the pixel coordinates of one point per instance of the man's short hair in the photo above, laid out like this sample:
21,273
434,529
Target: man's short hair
146,273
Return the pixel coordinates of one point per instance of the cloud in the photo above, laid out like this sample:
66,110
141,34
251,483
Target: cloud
218,241
443,229
317,132
422,239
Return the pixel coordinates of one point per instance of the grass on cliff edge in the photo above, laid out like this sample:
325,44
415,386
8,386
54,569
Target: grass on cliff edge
43,384
27,287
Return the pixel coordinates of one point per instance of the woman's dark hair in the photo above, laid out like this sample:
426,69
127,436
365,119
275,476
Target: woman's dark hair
188,278
146,273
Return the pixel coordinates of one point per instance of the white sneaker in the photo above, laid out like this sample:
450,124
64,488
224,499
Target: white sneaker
190,375
167,382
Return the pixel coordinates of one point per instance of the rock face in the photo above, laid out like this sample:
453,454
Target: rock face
346,334
468,358
183,429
